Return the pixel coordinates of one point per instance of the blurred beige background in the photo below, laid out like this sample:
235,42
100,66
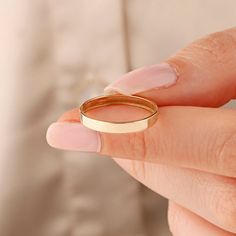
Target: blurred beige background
54,54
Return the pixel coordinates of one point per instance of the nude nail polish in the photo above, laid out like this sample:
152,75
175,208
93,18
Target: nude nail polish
73,136
144,79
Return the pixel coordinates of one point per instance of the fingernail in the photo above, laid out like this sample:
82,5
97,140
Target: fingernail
73,136
144,79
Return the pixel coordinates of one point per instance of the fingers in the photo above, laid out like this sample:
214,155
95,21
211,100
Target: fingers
202,74
184,223
209,196
198,138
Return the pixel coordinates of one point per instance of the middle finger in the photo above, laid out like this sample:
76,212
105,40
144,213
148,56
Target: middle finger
210,196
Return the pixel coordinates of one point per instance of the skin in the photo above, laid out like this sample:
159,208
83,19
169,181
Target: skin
189,155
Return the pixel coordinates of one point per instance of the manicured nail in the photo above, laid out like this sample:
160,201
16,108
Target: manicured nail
144,79
73,136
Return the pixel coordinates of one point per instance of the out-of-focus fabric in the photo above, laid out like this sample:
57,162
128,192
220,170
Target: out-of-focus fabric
53,55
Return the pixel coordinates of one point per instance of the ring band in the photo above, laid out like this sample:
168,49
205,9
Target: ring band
118,127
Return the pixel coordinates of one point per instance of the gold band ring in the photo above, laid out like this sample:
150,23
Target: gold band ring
118,127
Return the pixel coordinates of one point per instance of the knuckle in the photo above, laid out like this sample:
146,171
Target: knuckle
220,45
218,48
141,145
137,144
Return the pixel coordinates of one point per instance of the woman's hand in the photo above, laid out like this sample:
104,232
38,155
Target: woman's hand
189,155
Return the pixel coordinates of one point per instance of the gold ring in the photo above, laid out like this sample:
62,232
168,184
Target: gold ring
118,127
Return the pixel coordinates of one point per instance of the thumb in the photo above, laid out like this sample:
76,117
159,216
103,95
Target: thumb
202,74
